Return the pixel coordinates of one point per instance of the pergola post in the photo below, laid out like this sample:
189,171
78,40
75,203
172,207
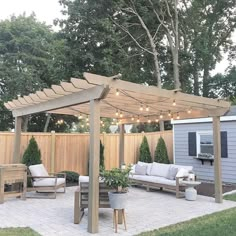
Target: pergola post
17,141
217,159
94,166
122,145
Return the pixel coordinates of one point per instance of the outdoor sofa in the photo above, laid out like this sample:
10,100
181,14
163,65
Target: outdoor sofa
161,176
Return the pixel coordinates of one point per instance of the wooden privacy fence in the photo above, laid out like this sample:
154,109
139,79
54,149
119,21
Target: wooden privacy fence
71,151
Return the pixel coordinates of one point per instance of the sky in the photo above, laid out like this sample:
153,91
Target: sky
47,10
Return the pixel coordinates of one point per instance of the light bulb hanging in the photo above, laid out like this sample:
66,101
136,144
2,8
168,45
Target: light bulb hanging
147,108
174,103
141,107
121,114
157,120
189,111
149,121
178,116
138,120
132,118
169,113
117,92
161,116
117,112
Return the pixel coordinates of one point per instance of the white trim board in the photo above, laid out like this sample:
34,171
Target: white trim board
202,120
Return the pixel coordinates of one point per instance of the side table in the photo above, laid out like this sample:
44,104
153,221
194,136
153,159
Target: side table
190,191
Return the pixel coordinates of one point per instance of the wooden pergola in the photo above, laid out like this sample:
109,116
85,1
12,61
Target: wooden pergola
99,96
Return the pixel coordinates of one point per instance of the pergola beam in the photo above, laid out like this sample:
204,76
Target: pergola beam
151,90
217,159
17,141
64,101
93,200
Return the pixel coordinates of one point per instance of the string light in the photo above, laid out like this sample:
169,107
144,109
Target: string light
101,122
80,116
189,111
138,120
157,120
169,113
141,107
87,119
178,116
147,108
121,114
174,103
87,124
172,118
82,126
132,118
117,92
117,113
161,116
149,121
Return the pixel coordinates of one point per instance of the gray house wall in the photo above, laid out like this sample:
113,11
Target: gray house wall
206,171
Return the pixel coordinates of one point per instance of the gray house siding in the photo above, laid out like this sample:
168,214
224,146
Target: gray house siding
206,171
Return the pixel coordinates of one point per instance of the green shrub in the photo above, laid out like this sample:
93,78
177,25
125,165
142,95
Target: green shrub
102,159
71,176
144,151
32,154
161,154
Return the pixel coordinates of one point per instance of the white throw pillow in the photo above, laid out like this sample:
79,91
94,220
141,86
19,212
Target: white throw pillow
172,172
149,166
140,169
182,173
159,169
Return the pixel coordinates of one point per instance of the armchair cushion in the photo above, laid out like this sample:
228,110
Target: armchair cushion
48,182
38,170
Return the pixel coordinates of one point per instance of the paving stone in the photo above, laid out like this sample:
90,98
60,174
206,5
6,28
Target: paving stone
54,217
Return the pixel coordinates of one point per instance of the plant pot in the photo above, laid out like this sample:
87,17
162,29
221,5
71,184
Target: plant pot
118,200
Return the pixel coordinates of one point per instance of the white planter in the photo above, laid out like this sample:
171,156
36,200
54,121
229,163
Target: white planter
118,200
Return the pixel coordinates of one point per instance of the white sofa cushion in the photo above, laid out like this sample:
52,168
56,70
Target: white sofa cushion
38,170
149,166
48,182
159,169
85,179
140,170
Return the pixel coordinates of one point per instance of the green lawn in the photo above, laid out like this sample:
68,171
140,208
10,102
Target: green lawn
217,224
231,197
17,232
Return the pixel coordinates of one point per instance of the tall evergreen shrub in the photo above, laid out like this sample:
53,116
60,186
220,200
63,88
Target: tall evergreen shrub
161,154
144,151
102,159
32,154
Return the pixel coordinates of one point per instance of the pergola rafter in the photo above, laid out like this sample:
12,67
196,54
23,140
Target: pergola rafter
97,97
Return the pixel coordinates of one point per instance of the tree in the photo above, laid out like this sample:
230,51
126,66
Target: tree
32,154
161,154
144,151
102,159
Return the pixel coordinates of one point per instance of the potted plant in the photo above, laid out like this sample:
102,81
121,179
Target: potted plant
118,181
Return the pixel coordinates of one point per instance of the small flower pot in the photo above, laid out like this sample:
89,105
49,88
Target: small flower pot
118,200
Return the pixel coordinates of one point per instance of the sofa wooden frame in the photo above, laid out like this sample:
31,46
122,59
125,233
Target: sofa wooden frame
178,188
81,199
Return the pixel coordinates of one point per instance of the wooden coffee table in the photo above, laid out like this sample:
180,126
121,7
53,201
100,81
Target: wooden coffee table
190,191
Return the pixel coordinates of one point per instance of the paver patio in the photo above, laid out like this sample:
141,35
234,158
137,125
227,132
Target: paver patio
145,211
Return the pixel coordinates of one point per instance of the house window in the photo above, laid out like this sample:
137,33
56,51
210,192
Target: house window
205,142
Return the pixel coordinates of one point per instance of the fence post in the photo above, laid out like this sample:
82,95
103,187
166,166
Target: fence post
53,147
